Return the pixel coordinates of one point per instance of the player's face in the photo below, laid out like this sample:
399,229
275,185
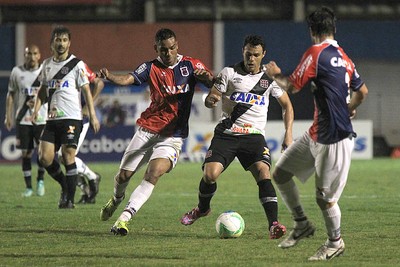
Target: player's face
32,57
61,44
252,57
167,50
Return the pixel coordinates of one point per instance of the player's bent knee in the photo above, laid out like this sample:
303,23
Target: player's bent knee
281,176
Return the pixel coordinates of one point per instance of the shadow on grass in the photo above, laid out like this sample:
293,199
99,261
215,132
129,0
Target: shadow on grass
86,256
135,233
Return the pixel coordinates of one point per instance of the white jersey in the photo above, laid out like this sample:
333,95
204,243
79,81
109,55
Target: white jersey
64,94
245,100
25,86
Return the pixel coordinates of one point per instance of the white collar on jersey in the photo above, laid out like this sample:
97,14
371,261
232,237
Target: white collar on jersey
330,41
179,57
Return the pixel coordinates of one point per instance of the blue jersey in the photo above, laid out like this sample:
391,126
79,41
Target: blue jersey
333,75
171,94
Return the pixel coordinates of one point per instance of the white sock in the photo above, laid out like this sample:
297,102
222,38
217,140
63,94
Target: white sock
84,169
139,196
332,218
290,195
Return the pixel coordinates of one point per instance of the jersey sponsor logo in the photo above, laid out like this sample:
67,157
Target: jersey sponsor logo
184,71
339,62
29,91
141,68
248,98
179,89
264,83
56,84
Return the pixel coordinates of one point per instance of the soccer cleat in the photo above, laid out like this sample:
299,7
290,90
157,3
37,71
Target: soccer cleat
83,199
191,216
108,209
28,192
120,228
63,202
297,234
40,188
277,230
326,252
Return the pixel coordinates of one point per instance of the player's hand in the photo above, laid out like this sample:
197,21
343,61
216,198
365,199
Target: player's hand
8,123
34,117
102,73
212,100
203,76
95,124
85,111
353,114
271,69
30,103
287,141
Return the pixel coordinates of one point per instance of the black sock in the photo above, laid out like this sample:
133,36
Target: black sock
71,176
26,169
54,170
41,170
268,199
206,192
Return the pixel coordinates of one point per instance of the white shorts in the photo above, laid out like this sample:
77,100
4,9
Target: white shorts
331,164
145,146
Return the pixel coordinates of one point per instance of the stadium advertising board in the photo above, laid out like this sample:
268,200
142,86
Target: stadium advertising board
110,143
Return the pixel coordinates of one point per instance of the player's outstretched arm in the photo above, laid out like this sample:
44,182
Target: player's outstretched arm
120,79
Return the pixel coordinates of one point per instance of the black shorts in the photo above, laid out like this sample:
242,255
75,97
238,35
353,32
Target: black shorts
249,149
62,132
28,136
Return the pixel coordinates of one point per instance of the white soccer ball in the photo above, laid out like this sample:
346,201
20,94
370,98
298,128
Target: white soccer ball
229,224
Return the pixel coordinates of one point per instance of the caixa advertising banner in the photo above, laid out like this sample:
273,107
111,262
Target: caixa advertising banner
109,144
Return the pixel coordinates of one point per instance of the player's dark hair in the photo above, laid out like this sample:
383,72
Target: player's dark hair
322,21
254,40
164,34
60,30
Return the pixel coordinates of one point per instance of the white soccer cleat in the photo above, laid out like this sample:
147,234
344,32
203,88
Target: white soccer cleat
326,252
297,234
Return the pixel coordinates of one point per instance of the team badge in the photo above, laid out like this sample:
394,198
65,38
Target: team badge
184,71
264,83
209,154
64,70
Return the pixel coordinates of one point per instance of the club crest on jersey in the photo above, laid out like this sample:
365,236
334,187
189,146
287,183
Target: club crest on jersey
264,83
64,70
184,71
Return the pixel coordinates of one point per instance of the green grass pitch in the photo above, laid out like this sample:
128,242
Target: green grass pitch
34,232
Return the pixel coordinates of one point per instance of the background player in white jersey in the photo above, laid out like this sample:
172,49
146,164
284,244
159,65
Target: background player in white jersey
244,90
326,148
23,87
63,79
88,180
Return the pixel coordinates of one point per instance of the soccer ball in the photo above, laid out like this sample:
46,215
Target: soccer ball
229,224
